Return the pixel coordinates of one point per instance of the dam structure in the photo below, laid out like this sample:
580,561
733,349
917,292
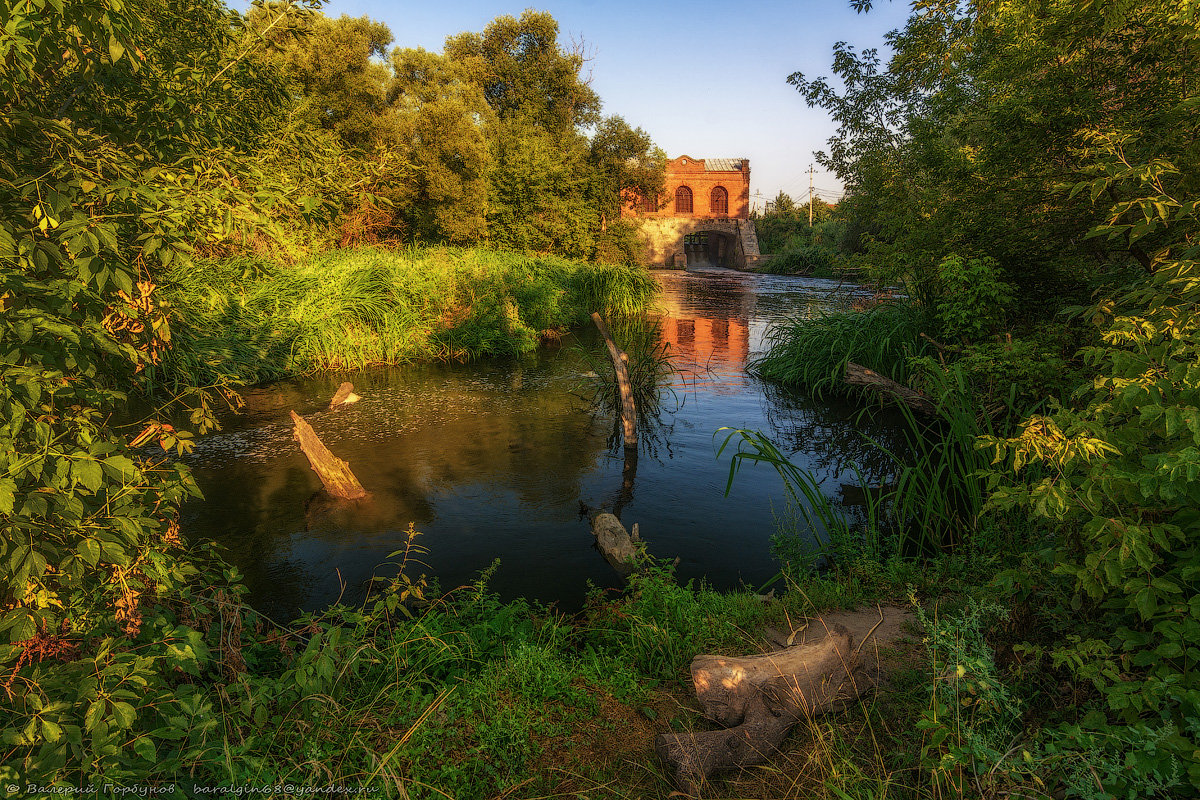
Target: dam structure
702,219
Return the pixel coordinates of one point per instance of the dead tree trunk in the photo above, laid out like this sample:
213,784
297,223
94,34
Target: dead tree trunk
624,386
334,473
858,375
344,396
759,699
618,546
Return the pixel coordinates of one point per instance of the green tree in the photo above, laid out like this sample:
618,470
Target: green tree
539,197
626,166
966,138
442,124
539,193
338,67
525,74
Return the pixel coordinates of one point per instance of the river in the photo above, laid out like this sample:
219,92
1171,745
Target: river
491,460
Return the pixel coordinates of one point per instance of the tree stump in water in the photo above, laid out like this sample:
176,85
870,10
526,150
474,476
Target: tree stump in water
334,473
858,375
618,546
762,697
344,396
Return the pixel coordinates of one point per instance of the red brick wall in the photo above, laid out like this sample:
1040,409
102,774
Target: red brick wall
690,172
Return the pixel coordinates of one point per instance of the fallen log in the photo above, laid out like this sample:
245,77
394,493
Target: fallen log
858,375
624,386
334,473
618,546
344,396
759,699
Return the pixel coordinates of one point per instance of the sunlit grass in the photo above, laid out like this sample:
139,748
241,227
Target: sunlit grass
248,320
811,354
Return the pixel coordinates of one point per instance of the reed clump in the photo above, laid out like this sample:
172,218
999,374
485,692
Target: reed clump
812,353
246,320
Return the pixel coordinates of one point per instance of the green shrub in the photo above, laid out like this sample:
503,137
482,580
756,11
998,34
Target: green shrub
972,300
801,257
1116,475
1017,375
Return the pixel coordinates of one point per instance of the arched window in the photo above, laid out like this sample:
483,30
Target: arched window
718,202
649,204
683,200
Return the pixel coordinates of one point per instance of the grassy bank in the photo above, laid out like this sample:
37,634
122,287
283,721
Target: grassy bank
248,320
811,354
414,695
1048,467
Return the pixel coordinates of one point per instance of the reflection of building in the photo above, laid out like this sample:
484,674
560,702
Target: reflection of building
703,218
707,323
720,344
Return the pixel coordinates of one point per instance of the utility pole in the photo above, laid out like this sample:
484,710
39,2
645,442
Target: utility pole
810,188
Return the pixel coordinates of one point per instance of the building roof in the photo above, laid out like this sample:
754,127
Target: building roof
723,164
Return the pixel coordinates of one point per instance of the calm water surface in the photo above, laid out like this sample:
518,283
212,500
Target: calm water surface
491,460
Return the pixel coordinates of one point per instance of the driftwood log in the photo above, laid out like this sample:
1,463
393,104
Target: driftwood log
624,386
858,375
344,396
618,546
334,473
759,699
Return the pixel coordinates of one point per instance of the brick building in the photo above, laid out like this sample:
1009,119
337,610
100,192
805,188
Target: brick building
703,217
702,188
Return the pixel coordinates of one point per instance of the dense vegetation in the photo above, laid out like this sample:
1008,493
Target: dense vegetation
170,179
1028,173
245,320
167,173
796,246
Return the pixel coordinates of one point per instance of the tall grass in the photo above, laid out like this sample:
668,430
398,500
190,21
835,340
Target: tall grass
934,495
243,320
812,353
940,492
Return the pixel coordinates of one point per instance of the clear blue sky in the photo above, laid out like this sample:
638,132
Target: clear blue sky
703,78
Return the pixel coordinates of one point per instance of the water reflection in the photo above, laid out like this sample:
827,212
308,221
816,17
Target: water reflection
492,459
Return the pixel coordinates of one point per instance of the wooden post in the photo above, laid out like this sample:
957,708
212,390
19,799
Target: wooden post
334,473
621,365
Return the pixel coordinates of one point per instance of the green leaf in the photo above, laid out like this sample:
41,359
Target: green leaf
8,493
19,623
121,467
124,714
144,747
94,714
51,731
89,551
88,473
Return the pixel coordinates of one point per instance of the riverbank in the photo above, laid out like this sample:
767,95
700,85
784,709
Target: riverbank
1054,672
245,320
416,695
